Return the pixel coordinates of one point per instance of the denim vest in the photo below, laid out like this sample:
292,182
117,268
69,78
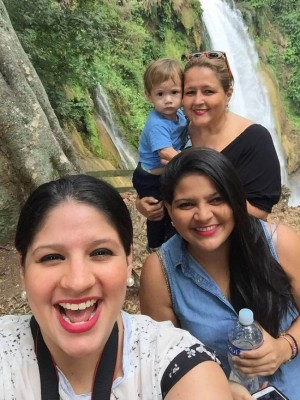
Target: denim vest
203,310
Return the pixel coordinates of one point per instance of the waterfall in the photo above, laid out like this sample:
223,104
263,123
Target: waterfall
103,110
228,32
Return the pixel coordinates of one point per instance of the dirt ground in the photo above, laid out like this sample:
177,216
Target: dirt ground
10,299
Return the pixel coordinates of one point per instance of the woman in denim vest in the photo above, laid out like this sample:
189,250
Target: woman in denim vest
222,260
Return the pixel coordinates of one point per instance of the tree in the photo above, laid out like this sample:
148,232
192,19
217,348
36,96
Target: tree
34,148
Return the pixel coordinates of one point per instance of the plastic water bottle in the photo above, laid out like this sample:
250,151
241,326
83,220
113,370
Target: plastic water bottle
246,335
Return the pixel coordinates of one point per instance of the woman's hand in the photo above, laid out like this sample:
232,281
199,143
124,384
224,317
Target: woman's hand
150,207
239,392
266,359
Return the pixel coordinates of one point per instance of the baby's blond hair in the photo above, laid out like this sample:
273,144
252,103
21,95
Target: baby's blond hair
160,71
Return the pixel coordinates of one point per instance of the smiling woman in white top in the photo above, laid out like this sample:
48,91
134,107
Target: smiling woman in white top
74,239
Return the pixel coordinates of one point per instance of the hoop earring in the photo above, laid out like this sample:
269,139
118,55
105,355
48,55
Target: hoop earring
24,295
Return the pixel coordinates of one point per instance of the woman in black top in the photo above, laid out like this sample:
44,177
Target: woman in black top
208,87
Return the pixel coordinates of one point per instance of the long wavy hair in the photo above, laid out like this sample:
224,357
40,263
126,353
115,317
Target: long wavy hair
257,280
81,188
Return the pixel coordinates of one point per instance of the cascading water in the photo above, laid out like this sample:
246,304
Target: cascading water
102,107
226,31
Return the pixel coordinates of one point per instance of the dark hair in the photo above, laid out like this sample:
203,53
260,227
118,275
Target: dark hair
217,65
257,280
82,188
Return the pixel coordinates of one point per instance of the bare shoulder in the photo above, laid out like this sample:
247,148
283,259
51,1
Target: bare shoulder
288,247
238,124
155,299
151,268
286,234
152,276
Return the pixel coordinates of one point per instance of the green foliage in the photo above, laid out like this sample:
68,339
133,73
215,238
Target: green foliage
282,48
94,134
129,104
174,43
73,48
257,4
288,18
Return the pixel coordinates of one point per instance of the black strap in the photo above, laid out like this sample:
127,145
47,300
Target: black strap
105,370
48,374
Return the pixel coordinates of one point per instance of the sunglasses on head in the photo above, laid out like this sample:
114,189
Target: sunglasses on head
211,55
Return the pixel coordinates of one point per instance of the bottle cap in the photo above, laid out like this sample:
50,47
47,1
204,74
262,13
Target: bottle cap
246,316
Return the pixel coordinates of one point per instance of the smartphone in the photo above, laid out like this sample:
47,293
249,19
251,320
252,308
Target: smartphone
269,393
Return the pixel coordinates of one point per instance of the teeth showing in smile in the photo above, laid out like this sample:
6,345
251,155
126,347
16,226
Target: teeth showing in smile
207,228
79,306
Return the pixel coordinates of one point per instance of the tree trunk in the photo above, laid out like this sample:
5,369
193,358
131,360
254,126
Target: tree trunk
33,147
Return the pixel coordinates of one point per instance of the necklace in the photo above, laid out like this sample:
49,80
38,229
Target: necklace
103,378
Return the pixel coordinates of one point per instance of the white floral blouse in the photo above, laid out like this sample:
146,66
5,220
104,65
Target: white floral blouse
154,352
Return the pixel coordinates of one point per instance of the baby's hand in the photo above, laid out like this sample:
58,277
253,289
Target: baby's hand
150,207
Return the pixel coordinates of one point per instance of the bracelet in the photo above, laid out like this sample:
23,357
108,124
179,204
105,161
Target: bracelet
292,342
